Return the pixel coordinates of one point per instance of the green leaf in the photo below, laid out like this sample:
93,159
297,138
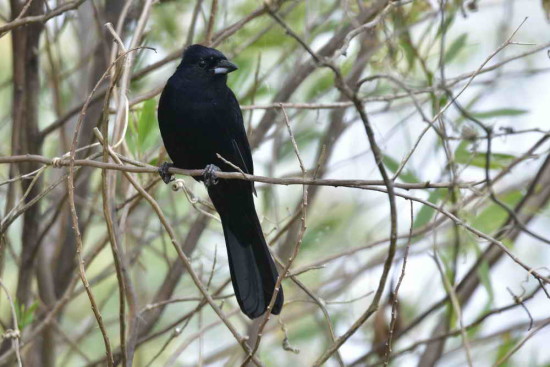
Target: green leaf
450,17
315,234
473,331
500,112
461,152
25,315
143,132
443,100
478,159
132,136
321,82
408,50
546,7
484,273
304,330
456,46
426,213
146,123
393,166
498,160
493,216
506,344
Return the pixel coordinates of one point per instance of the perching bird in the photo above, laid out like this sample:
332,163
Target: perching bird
199,117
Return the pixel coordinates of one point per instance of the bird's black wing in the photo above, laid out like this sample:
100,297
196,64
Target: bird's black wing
237,133
241,155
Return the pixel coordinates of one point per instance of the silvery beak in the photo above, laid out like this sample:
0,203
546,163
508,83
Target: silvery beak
224,67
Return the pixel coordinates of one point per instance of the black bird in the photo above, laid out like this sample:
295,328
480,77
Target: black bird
199,117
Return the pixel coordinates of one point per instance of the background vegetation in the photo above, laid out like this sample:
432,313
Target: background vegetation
420,128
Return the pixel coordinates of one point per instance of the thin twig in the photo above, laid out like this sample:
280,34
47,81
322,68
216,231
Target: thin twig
14,334
211,22
19,22
507,356
395,292
145,168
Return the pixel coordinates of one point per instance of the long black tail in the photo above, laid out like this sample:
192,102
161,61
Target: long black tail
253,272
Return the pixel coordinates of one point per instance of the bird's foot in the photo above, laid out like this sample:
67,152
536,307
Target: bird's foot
209,175
164,174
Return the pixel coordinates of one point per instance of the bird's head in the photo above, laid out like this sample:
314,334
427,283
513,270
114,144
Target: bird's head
205,62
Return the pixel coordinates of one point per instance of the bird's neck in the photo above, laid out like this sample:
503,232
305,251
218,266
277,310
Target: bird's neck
215,86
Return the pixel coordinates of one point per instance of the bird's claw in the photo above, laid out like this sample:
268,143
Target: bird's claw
209,175
164,174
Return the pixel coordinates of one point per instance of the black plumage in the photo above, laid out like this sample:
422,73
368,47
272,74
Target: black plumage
199,117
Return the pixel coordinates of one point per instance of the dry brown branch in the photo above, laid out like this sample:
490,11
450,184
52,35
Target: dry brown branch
456,308
14,334
369,185
507,356
19,22
395,293
211,22
144,168
79,244
107,193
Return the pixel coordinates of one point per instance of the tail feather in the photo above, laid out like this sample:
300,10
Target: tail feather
253,272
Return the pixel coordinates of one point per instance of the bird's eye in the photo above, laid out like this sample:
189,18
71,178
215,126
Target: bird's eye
202,63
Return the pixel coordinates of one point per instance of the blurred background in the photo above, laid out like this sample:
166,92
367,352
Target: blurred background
457,96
